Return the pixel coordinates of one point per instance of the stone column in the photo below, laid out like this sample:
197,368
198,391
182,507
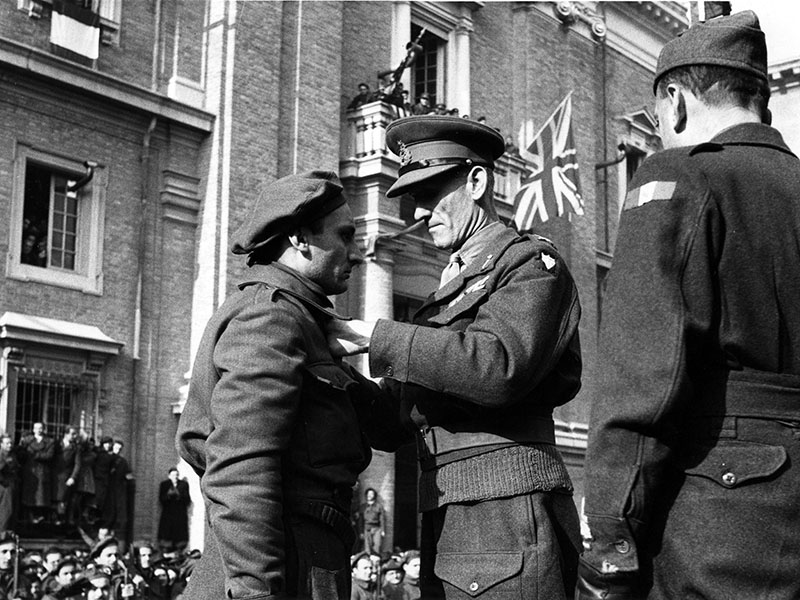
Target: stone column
377,302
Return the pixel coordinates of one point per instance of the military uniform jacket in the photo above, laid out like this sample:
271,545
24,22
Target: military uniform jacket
700,344
487,358
268,421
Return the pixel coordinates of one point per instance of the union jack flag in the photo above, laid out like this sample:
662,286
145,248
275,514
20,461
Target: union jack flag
553,182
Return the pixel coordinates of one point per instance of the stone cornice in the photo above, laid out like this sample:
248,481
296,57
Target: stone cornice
65,73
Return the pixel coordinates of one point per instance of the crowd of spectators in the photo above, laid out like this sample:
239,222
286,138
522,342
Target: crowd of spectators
395,94
400,100
68,482
99,571
385,577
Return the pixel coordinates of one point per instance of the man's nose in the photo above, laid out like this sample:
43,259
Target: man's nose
421,213
356,255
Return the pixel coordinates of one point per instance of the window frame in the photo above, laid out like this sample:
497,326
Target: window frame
88,275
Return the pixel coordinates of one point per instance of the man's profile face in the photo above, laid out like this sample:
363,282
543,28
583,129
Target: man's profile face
412,568
101,589
363,569
334,251
66,574
447,209
6,555
108,556
394,576
145,556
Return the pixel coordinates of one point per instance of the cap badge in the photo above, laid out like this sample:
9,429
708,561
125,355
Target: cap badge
405,155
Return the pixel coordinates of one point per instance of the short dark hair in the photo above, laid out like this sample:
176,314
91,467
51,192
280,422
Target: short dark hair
733,86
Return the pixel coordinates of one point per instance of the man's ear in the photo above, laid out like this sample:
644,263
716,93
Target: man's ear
299,239
677,101
476,183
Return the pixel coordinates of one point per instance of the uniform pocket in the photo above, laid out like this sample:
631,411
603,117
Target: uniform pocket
333,435
733,463
474,574
464,305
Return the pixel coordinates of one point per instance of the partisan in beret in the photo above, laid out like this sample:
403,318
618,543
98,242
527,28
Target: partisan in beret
286,204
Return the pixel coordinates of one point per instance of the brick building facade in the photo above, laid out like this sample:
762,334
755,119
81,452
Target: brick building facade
190,104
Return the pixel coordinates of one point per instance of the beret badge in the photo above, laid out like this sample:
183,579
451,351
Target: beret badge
405,155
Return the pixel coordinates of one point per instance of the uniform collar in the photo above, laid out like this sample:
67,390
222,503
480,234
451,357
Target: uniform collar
476,245
751,134
283,277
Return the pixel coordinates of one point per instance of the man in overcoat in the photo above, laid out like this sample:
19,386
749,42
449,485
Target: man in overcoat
476,377
270,423
173,524
694,438
37,451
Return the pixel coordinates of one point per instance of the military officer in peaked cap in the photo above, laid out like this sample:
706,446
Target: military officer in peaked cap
476,376
694,439
270,423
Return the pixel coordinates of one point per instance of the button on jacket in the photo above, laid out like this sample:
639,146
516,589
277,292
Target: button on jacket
694,446
268,423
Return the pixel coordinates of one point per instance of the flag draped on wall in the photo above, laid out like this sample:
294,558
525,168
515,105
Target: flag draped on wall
553,183
75,28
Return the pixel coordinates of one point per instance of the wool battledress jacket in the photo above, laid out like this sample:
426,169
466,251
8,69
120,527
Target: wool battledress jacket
476,377
694,445
269,426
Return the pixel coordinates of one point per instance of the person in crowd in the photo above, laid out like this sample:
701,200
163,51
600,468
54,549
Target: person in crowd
34,247
478,372
693,465
51,556
9,479
440,109
422,105
99,582
104,462
59,585
13,582
85,488
120,481
411,572
392,588
406,102
36,454
66,466
364,96
363,583
173,524
271,424
373,518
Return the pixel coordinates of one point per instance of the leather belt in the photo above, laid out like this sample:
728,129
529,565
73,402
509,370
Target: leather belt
758,395
436,444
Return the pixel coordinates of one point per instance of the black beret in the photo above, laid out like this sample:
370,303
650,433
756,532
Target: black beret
430,145
392,564
99,546
288,203
8,537
735,41
94,572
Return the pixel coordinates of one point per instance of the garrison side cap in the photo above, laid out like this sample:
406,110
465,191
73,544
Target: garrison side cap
430,145
286,203
735,41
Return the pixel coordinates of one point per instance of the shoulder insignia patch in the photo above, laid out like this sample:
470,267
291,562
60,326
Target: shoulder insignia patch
549,261
653,190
